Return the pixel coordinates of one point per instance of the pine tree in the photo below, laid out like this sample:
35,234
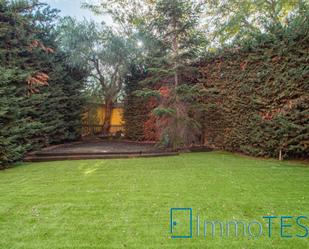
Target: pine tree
176,26
17,67
135,107
40,95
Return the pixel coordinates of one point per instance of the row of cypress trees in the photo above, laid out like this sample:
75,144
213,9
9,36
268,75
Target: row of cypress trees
40,94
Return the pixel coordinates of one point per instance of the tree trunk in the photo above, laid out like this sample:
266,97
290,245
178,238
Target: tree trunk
107,117
176,54
176,84
280,155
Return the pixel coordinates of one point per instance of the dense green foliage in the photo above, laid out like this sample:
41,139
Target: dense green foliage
240,20
40,96
255,89
263,31
259,95
118,204
175,27
251,94
169,40
135,107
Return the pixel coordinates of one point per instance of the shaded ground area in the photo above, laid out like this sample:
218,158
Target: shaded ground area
102,146
97,149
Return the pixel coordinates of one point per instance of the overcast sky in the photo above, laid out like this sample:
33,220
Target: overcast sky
73,8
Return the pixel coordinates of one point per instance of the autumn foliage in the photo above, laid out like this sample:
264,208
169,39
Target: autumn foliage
40,45
38,79
152,131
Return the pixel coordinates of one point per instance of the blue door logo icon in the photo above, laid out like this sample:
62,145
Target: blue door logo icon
181,223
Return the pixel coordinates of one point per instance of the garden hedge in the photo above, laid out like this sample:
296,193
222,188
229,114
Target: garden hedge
258,97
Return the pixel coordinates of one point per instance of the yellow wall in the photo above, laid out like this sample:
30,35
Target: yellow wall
117,116
117,120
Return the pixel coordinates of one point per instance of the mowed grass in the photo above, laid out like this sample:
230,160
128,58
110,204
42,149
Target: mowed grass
126,203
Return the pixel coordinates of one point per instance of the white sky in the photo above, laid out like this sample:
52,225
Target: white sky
73,8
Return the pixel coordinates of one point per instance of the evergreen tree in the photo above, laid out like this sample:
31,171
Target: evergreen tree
18,67
176,26
135,107
40,95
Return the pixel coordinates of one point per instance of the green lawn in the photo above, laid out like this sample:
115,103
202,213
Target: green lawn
126,203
